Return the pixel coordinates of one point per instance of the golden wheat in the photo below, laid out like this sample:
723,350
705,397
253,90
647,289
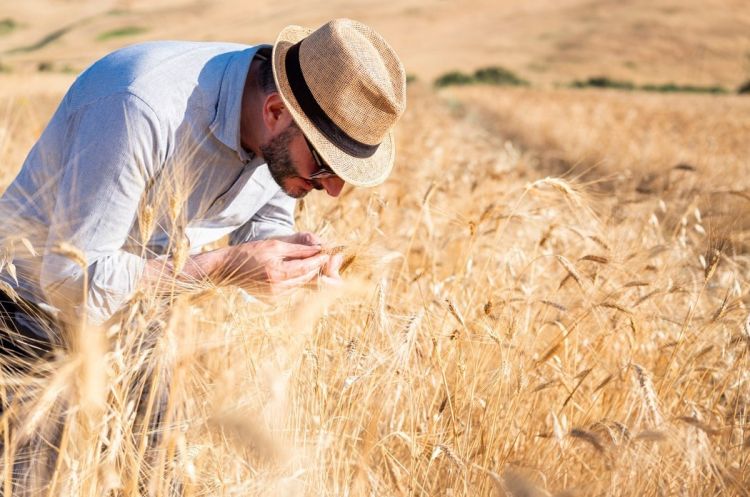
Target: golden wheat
502,330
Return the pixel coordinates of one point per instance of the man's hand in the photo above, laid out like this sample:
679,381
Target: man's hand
271,267
330,271
264,268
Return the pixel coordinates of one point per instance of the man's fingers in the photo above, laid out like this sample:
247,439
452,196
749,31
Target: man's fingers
291,269
295,250
334,265
308,238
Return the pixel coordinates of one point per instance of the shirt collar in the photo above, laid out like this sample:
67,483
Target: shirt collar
226,122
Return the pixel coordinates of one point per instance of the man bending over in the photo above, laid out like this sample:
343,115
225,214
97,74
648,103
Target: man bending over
161,148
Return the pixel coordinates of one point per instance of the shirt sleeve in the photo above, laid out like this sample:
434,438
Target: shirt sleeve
110,154
275,218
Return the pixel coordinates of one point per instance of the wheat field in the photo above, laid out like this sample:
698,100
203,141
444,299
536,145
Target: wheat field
549,297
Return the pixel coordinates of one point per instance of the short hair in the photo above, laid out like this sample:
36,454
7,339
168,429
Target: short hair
265,71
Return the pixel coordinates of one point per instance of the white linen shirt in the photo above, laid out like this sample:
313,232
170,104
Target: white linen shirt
147,125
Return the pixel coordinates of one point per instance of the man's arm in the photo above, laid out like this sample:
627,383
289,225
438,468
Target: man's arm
274,219
265,268
111,151
266,257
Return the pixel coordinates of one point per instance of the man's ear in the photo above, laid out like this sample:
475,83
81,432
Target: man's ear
275,115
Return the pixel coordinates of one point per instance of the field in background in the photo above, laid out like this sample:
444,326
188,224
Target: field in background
549,296
699,42
618,133
637,145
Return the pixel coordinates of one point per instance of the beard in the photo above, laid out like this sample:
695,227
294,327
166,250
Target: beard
276,154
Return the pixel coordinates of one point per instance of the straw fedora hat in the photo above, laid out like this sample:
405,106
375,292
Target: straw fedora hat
345,88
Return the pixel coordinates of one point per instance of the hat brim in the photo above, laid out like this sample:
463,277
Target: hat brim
370,171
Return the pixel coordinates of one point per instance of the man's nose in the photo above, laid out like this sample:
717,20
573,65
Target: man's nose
333,186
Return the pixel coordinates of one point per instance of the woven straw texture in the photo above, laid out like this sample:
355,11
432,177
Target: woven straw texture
358,80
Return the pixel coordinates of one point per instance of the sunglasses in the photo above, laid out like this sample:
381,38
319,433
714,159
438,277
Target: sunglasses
324,170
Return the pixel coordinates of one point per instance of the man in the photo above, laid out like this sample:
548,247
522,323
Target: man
161,148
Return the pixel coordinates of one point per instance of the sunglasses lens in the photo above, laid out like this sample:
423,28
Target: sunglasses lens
324,170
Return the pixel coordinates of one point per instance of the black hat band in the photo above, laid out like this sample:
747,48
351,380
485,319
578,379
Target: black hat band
316,114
